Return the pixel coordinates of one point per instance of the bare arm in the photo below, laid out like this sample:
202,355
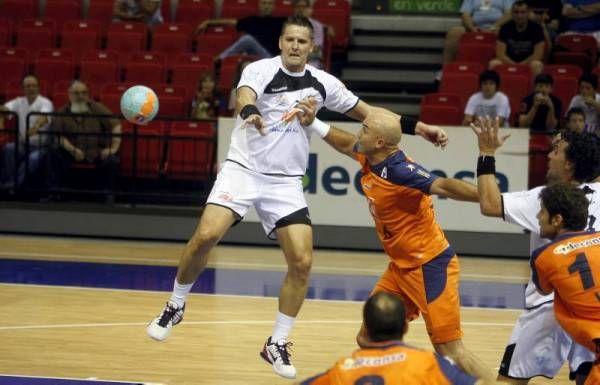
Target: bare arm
467,22
454,189
207,23
551,121
501,53
341,140
538,53
246,96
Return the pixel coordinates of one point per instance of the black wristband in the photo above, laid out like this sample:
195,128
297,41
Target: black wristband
486,165
249,109
408,125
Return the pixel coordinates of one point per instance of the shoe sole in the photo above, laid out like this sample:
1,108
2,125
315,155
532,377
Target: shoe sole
262,355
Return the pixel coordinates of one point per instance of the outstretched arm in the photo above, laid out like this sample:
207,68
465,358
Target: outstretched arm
490,198
454,189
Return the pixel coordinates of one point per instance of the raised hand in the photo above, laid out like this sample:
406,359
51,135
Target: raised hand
434,134
256,121
488,138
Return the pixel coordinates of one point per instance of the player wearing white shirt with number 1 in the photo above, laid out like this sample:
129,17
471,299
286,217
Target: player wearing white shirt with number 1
538,346
267,158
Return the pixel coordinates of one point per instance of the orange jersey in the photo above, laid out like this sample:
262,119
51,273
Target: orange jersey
570,266
392,363
397,191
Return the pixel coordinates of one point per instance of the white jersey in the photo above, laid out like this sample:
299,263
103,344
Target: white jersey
284,149
21,106
522,207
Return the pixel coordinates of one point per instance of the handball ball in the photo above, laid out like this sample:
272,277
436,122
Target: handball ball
139,104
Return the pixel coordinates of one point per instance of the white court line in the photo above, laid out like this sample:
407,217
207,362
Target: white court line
123,260
81,379
337,301
239,322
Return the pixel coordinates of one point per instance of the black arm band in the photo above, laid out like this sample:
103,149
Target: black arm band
486,165
249,109
408,125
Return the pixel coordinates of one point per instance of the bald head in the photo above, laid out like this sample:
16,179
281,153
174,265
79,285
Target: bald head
384,316
385,125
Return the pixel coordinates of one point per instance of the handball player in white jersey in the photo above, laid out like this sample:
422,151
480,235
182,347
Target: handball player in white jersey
267,158
538,346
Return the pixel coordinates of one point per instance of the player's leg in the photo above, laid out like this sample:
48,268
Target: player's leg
228,201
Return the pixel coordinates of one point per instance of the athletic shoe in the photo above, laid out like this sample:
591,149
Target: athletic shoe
160,327
278,355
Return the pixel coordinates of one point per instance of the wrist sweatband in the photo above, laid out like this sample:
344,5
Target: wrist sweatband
249,109
321,128
408,125
486,164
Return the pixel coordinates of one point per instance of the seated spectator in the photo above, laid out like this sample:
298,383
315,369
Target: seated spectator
575,120
304,8
205,104
262,32
233,94
13,165
582,17
87,140
589,101
145,11
476,16
520,41
548,14
489,102
540,111
386,359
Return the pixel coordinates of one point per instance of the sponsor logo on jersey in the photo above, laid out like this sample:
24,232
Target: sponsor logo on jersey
351,363
570,246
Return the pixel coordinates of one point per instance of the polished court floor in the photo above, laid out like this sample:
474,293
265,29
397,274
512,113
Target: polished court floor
76,309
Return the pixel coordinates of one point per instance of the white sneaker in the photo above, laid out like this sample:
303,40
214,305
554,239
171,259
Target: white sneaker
159,328
277,354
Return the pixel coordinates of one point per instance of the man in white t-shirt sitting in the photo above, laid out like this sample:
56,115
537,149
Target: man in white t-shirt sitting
489,102
12,156
589,101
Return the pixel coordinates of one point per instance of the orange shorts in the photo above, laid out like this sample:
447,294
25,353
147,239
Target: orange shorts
431,289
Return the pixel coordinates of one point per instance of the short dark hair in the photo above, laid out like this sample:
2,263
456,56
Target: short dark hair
384,316
583,152
489,75
589,78
543,79
300,21
575,111
520,3
569,201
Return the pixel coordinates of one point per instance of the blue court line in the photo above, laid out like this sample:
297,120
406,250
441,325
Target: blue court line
231,281
24,380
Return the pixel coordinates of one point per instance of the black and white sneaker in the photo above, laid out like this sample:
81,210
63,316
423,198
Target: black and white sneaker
278,355
159,328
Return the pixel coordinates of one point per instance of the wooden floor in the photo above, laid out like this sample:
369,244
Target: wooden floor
71,332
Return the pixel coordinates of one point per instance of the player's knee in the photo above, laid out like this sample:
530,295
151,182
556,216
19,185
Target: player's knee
454,34
203,238
301,265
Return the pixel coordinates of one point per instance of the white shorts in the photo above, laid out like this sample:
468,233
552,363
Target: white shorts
538,346
274,197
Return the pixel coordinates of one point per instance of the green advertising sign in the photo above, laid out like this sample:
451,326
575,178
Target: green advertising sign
425,6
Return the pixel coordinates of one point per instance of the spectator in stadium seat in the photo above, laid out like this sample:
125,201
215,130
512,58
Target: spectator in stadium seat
476,16
582,17
520,41
233,94
489,102
145,11
589,101
547,13
11,162
575,120
206,102
262,32
85,140
540,111
304,8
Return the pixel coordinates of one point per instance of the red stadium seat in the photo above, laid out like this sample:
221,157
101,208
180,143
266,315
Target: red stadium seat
101,12
165,10
443,115
561,70
54,65
464,67
539,145
284,8
126,37
194,12
216,39
339,19
441,99
148,150
228,69
19,9
485,38
516,69
584,44
579,59
60,99
35,35
6,32
476,52
62,10
564,88
516,87
189,68
190,151
461,84
13,63
174,100
172,38
80,36
237,9
99,67
144,72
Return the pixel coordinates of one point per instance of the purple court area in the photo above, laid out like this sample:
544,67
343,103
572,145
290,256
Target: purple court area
18,380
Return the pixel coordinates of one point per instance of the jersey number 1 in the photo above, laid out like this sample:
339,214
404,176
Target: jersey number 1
582,267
